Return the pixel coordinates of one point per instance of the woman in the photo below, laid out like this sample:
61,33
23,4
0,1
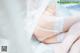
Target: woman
54,28
50,24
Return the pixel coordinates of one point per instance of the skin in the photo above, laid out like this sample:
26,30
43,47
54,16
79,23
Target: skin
73,35
76,46
47,23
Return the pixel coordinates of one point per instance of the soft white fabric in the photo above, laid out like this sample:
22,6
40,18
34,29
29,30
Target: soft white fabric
12,14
